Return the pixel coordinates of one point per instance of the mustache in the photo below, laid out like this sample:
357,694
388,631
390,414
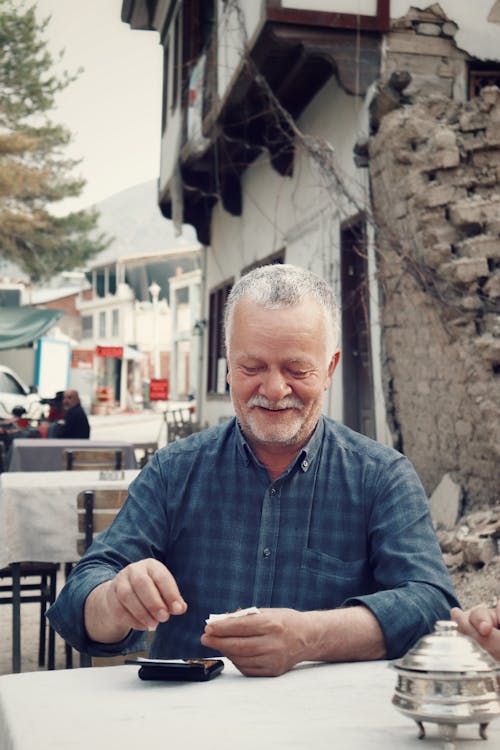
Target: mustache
289,402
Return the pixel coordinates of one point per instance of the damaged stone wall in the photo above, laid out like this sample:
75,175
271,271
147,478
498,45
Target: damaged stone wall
435,180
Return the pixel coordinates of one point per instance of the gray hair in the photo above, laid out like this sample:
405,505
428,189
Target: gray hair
284,285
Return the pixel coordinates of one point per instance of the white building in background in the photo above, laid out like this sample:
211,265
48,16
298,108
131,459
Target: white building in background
126,327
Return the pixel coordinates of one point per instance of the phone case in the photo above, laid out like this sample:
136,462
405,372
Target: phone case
185,670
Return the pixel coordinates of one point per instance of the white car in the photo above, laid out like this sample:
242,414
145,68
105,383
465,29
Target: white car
14,392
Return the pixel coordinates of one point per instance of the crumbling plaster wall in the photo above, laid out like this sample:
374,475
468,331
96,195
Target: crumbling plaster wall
435,179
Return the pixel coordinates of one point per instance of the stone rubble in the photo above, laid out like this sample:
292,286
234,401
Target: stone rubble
471,551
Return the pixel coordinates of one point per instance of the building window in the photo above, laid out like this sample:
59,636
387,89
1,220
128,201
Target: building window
359,405
166,89
87,326
176,63
100,282
482,75
112,280
217,368
102,324
115,323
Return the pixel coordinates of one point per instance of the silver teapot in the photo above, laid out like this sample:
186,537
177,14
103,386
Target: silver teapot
448,679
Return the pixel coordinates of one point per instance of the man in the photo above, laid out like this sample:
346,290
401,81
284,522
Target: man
325,531
481,623
75,423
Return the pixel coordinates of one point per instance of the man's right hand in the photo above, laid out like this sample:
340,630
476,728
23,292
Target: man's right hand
140,596
481,623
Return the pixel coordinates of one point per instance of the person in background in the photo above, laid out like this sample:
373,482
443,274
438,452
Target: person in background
481,623
74,423
326,532
56,410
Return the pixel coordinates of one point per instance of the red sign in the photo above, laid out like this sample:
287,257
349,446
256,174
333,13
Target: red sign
109,351
158,389
82,359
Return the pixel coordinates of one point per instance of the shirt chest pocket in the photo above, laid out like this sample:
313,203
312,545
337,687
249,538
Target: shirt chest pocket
325,582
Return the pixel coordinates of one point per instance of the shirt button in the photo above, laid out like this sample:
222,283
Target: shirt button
305,464
266,552
273,491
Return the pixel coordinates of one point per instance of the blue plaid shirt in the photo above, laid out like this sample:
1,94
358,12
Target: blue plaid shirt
347,523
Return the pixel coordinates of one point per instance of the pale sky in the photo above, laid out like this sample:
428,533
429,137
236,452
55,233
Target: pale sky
113,110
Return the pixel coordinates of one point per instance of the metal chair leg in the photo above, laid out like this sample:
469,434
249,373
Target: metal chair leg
51,662
43,607
16,617
85,660
67,648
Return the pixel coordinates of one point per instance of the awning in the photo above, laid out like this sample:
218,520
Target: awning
130,353
20,326
118,352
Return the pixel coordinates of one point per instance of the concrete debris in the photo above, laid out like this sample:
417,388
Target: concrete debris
473,542
446,503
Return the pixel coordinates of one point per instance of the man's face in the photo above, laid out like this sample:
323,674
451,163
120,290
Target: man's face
69,400
279,368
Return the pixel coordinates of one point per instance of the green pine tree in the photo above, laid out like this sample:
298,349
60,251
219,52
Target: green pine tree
34,173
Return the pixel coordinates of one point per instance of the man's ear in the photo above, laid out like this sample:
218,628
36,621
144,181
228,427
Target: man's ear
331,368
333,363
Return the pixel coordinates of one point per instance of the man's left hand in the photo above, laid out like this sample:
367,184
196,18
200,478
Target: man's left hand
266,644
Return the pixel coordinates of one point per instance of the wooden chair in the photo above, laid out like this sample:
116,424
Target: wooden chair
144,452
96,509
93,459
37,584
180,424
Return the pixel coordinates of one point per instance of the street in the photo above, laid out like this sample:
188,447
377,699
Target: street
136,427
147,426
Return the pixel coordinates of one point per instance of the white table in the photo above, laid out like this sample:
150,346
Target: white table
314,707
46,454
38,522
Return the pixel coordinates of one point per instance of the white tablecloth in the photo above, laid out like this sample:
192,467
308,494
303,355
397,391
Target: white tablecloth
314,707
38,519
46,454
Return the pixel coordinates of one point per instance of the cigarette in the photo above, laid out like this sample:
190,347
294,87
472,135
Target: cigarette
237,613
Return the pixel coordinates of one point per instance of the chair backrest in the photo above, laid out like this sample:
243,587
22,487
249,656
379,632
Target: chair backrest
144,452
92,459
96,511
3,457
180,424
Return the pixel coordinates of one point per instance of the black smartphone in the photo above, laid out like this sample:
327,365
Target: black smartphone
184,670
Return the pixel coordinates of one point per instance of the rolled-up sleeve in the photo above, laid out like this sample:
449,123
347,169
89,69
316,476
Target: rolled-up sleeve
414,588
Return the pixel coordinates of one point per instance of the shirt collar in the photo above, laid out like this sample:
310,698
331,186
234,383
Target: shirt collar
304,458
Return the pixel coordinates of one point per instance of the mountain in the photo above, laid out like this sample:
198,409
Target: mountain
134,221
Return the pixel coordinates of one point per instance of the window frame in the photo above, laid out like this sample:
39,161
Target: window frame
216,342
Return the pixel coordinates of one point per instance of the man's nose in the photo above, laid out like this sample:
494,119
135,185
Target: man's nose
274,386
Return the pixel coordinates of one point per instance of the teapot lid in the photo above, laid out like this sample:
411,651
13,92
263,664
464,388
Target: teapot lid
446,650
